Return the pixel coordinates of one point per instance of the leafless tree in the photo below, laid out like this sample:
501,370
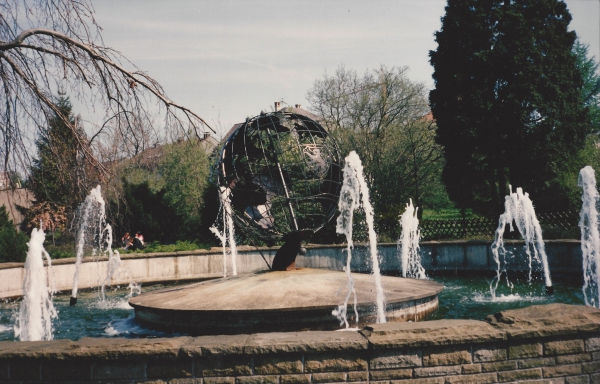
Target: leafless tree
52,45
383,116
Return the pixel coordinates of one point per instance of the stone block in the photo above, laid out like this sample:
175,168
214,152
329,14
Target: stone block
231,365
583,379
277,364
562,370
438,371
214,345
66,371
118,370
428,380
563,347
150,382
481,378
489,353
176,369
595,355
295,379
499,366
471,368
558,380
524,350
25,371
592,367
338,362
309,341
595,378
257,379
446,356
189,381
523,374
357,376
571,359
219,380
328,377
391,374
592,344
540,362
395,359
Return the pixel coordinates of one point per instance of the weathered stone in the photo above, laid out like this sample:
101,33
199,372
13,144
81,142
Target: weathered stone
257,379
223,366
214,345
190,381
66,371
489,353
595,378
310,341
570,359
396,359
179,368
562,370
295,379
428,380
117,349
592,367
563,347
471,368
480,378
151,382
499,366
438,371
595,355
583,379
558,380
276,364
357,376
592,344
547,320
446,356
329,362
540,362
524,350
436,332
219,380
39,349
328,377
523,374
391,374
118,370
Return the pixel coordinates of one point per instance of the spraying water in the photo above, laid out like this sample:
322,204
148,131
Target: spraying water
408,244
93,232
91,218
590,237
519,208
228,234
353,169
34,319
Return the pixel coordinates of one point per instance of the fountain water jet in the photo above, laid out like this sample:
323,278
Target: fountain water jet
408,244
34,319
590,236
519,208
355,181
228,234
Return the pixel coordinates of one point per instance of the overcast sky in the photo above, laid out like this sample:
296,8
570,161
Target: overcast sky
227,60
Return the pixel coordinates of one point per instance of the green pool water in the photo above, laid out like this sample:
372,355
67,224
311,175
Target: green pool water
462,298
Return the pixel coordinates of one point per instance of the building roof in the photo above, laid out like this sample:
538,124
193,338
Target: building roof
10,198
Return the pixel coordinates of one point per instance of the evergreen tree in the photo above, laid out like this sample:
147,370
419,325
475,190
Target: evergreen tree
59,175
13,244
591,84
507,100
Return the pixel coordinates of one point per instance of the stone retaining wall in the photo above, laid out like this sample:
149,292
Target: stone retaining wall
556,343
564,257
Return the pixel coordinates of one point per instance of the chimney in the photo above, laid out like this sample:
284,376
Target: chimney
277,106
206,135
298,106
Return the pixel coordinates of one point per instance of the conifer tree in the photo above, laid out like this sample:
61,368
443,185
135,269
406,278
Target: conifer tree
507,100
58,174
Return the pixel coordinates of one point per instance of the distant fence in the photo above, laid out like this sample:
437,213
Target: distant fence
554,225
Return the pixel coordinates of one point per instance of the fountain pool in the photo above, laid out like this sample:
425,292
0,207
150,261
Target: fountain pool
462,298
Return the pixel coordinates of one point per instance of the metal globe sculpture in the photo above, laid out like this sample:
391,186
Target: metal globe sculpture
284,175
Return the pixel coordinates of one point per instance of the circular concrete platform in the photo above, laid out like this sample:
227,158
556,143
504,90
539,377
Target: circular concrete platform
280,302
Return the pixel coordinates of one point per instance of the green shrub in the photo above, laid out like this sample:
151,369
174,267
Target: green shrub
13,244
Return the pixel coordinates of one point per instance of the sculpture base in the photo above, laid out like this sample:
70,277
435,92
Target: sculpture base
296,300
